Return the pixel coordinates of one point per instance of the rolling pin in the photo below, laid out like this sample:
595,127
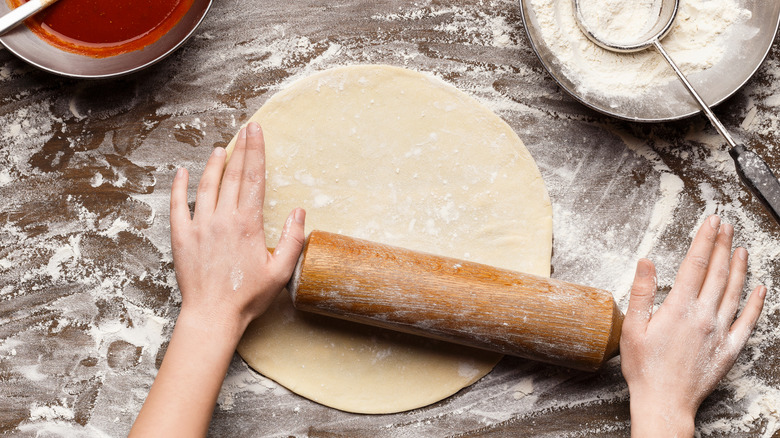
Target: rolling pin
456,301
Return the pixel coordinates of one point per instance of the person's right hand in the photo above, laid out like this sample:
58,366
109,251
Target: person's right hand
673,358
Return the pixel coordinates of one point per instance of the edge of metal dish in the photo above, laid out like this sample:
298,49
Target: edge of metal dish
135,69
577,97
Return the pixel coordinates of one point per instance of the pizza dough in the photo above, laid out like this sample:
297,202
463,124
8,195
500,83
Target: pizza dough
397,157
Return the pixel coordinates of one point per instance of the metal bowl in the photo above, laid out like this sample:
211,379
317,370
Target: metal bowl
671,101
26,45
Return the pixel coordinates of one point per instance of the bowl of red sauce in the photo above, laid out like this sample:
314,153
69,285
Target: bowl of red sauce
103,38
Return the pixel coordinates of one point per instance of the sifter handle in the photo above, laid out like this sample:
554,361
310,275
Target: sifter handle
758,177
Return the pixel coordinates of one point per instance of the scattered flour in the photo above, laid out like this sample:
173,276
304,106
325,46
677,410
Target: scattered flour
119,225
523,388
32,373
97,180
53,412
67,253
5,177
468,370
322,200
236,277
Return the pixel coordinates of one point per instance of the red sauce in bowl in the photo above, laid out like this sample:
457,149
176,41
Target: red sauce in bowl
102,28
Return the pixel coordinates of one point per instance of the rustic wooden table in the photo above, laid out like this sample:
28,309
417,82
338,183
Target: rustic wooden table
87,289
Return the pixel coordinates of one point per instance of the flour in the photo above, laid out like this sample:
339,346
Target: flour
119,225
523,388
50,412
236,278
698,40
619,21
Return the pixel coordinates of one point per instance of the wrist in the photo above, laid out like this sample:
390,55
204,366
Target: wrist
211,327
660,418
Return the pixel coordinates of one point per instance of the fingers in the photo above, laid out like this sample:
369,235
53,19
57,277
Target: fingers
693,269
180,211
208,188
746,322
232,176
290,245
718,272
736,282
252,189
243,183
640,303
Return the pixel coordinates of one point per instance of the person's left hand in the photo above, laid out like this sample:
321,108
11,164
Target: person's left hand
225,273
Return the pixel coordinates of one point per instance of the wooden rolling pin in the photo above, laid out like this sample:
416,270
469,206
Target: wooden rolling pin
458,301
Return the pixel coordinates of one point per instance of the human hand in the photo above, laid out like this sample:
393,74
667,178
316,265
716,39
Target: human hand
226,275
674,358
227,278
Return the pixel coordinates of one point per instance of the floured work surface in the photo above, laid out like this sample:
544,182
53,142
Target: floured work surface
396,157
87,292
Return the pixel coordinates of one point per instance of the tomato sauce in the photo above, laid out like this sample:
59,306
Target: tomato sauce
102,28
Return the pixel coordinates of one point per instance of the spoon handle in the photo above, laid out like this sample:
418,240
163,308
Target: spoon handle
23,12
756,174
752,169
703,105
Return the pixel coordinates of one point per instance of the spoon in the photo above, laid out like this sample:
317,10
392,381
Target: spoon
23,12
752,169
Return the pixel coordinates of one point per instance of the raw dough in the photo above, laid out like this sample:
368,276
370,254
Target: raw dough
397,157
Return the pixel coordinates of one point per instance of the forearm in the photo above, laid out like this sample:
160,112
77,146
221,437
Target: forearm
185,390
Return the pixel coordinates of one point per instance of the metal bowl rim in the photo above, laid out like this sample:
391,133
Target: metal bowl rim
624,117
120,73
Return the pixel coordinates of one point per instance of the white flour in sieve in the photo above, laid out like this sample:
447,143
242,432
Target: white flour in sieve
698,40
619,21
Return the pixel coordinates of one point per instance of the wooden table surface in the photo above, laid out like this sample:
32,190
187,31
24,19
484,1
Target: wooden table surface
87,290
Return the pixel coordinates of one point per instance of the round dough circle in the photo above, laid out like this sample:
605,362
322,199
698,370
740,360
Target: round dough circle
397,157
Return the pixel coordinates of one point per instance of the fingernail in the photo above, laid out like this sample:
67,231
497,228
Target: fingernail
300,215
643,269
180,173
742,253
715,221
728,229
242,133
253,129
762,292
219,151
